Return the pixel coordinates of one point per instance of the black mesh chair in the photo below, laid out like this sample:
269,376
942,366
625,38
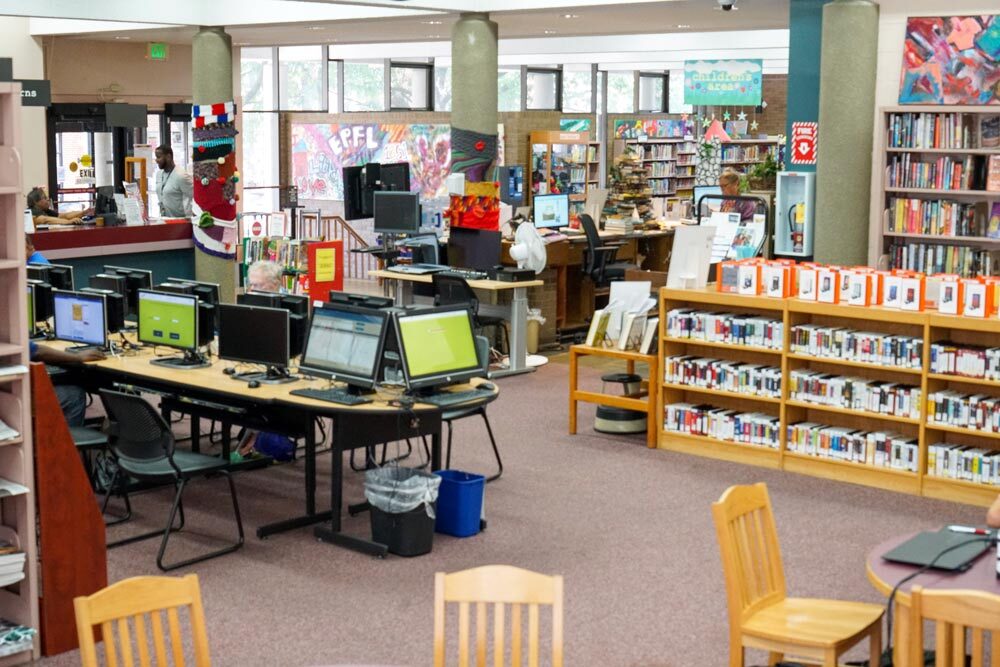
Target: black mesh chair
599,261
454,414
143,446
452,290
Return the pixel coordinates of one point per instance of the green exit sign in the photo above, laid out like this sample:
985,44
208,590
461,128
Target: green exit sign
158,51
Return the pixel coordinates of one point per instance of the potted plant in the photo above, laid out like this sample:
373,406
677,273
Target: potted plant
764,174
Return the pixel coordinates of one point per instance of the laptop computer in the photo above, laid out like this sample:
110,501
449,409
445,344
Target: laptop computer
418,269
923,548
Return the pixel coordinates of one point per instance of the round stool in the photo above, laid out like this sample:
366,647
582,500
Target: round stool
617,421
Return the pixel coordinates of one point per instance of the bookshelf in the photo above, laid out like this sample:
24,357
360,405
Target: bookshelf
671,163
593,164
19,601
561,162
739,154
932,208
911,434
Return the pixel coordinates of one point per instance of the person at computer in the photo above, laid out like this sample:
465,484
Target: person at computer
993,514
264,276
729,182
174,188
72,398
32,255
43,214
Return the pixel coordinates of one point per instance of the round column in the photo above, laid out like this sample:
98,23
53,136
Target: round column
473,95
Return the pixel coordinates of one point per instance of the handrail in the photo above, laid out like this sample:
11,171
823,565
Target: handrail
357,265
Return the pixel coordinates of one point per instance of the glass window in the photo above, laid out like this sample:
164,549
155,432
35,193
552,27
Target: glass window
442,88
409,87
260,200
509,89
333,86
257,79
364,85
577,89
675,98
651,93
299,78
260,150
543,89
621,87
180,141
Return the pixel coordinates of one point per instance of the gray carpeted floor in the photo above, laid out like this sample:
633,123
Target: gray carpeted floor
629,528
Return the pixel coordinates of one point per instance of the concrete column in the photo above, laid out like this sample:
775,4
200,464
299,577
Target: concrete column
846,126
212,82
473,95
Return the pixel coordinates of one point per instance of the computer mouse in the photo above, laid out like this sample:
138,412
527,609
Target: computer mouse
487,386
253,384
229,370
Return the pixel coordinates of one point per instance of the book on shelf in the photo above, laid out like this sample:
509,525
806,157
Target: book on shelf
930,130
932,258
993,222
630,336
724,375
9,488
943,173
880,449
854,393
648,344
597,333
749,428
989,131
733,328
962,462
993,174
942,217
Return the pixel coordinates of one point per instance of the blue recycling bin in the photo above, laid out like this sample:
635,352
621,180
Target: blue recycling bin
459,503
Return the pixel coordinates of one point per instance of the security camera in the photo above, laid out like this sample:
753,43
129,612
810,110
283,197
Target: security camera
726,5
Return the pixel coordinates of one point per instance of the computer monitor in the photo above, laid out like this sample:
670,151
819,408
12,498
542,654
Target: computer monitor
551,211
31,310
61,277
80,318
125,115
43,299
395,177
255,335
104,204
114,307
110,281
345,343
39,272
397,213
708,190
207,292
175,288
135,280
296,304
437,347
476,249
170,320
361,300
353,189
512,184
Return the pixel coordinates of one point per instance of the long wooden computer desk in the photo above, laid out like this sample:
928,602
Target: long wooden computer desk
209,393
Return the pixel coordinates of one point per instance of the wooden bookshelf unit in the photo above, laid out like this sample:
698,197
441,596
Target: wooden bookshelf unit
929,327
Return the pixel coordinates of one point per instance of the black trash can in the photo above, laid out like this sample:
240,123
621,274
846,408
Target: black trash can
406,533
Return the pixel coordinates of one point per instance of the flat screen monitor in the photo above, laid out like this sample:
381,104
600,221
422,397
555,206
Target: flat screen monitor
80,318
135,280
125,115
253,335
39,272
262,299
43,299
709,204
437,347
397,213
353,189
512,185
175,288
345,343
396,177
551,211
476,249
362,300
31,310
61,277
105,201
168,319
207,292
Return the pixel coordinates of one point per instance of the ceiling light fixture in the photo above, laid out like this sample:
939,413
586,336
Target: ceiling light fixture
571,16
316,27
122,37
683,25
432,22
549,32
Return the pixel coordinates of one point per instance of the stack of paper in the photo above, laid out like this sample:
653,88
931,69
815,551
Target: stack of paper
7,433
11,563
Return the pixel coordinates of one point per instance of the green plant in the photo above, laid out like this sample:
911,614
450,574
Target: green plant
765,170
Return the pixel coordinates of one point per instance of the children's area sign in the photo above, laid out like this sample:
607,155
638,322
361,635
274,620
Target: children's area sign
723,82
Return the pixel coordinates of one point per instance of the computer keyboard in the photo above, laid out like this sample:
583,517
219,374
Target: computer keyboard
331,395
418,269
449,398
468,274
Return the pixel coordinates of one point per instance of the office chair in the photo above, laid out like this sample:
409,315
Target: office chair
452,290
453,415
143,446
599,261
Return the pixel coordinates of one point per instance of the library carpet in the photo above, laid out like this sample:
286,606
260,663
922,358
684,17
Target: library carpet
629,528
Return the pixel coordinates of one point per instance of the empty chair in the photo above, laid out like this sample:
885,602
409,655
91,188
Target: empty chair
493,587
147,602
452,290
599,262
958,615
761,616
454,414
143,445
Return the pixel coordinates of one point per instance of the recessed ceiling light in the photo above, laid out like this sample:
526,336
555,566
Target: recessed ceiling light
432,22
316,27
434,36
683,25
122,37
571,16
549,32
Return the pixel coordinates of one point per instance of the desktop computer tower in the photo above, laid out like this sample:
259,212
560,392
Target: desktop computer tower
206,323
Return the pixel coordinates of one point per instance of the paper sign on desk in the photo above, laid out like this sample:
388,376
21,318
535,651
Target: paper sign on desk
326,265
325,260
276,225
726,226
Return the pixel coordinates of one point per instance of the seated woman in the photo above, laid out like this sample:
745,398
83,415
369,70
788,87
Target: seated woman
729,181
44,214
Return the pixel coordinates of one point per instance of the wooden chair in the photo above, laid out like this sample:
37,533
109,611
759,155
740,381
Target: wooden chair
955,612
761,616
133,599
500,585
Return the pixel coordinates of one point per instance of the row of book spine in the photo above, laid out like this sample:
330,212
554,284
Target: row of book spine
732,376
658,152
973,411
973,362
721,327
855,393
861,346
662,187
662,170
289,253
743,153
972,464
882,449
943,217
931,130
931,258
749,428
944,173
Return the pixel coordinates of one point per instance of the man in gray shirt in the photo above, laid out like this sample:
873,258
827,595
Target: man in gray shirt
173,187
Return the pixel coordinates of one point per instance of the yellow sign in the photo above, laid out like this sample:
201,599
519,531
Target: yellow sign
85,160
326,265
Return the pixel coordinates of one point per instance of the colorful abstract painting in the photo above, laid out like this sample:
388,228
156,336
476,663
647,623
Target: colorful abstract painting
320,151
951,60
658,129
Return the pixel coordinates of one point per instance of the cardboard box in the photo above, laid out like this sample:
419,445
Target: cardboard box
749,279
844,278
892,291
777,280
949,291
727,277
859,288
805,283
975,297
912,290
827,285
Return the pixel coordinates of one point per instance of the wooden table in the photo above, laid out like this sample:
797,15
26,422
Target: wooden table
637,403
210,393
884,575
518,310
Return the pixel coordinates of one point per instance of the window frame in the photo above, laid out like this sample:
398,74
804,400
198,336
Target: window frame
428,68
664,100
386,97
324,87
526,72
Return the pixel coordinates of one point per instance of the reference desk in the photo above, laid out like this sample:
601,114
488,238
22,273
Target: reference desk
211,394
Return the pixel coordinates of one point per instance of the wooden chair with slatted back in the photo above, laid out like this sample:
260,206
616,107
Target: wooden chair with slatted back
761,616
498,586
957,614
112,609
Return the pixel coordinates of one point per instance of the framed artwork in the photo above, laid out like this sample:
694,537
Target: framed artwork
951,60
